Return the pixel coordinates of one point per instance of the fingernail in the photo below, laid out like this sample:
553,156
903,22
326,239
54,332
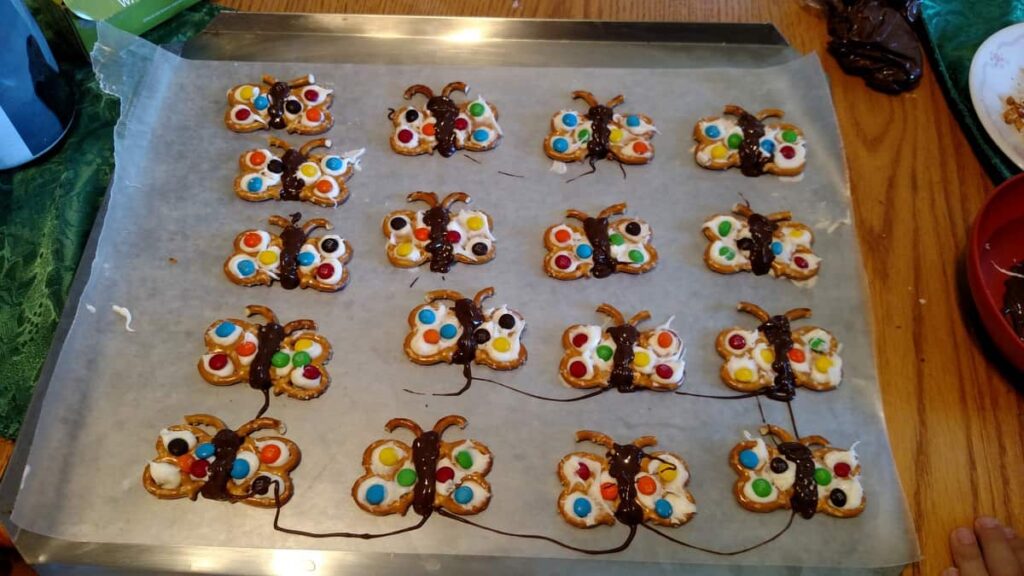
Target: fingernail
1010,534
964,536
987,522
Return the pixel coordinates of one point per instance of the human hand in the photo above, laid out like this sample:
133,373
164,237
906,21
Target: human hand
1001,551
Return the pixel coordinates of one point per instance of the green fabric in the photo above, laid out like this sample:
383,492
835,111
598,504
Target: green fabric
46,212
956,28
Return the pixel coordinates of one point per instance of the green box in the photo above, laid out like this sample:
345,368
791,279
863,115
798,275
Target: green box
135,16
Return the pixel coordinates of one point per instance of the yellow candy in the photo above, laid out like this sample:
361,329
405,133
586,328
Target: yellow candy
796,233
388,456
475,223
767,355
641,359
268,257
822,364
718,152
501,344
616,135
246,92
303,344
308,170
667,472
745,375
404,249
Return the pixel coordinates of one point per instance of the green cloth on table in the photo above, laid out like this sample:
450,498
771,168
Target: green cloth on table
47,210
956,28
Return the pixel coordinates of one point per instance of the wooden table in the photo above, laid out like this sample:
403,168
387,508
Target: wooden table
956,423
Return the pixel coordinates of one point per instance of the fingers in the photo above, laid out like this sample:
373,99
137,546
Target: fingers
966,553
1017,545
1000,558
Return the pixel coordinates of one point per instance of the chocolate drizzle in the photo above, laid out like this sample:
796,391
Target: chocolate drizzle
600,116
291,183
470,318
752,160
440,248
226,444
269,337
445,112
1013,300
875,39
278,94
804,500
596,230
759,245
425,452
777,331
624,464
624,336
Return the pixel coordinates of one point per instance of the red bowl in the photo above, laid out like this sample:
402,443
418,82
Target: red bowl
997,238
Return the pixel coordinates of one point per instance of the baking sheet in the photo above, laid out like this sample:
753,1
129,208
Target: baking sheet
112,391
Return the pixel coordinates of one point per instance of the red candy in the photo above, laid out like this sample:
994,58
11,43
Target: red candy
562,261
579,340
311,95
325,271
842,469
252,240
578,369
609,491
311,372
797,355
583,472
257,158
640,147
454,236
461,123
788,152
665,340
800,262
444,474
198,468
270,453
422,234
664,371
218,361
242,114
737,342
405,136
246,348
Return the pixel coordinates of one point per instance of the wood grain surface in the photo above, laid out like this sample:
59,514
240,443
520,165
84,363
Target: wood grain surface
955,420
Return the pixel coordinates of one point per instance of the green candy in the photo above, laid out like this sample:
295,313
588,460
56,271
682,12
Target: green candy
406,477
604,352
583,135
762,487
476,109
300,359
636,256
818,344
822,477
726,252
724,227
789,136
279,359
734,141
465,459
616,239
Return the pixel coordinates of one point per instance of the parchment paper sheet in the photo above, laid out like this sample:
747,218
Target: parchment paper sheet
113,390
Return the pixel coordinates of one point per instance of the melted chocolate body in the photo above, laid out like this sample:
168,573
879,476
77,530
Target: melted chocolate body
470,318
752,160
291,183
777,331
269,337
1013,300
441,252
278,94
805,491
293,238
445,112
226,444
596,230
624,464
425,451
600,116
759,245
624,337
874,39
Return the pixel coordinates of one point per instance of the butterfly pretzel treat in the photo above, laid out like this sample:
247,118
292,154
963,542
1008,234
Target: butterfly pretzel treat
622,357
438,235
298,106
763,244
229,465
601,248
296,174
430,475
774,359
286,359
600,133
293,258
443,125
626,484
742,139
807,475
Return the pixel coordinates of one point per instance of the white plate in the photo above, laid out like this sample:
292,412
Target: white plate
997,71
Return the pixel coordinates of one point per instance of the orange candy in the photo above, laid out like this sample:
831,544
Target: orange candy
257,158
185,461
431,336
313,115
324,186
665,339
646,485
428,129
422,234
252,240
246,348
797,355
270,453
640,148
609,491
562,236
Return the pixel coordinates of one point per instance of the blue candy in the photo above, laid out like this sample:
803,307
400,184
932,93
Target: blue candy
448,331
246,268
463,494
255,184
204,451
239,469
426,316
375,494
261,102
334,163
581,507
584,251
777,248
560,145
663,508
481,135
224,329
749,459
569,120
632,121
712,131
768,146
306,258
